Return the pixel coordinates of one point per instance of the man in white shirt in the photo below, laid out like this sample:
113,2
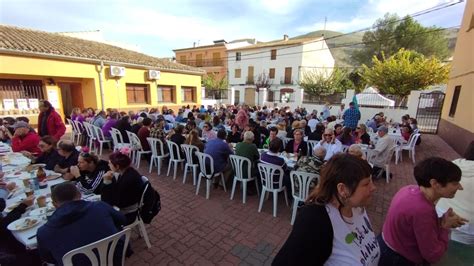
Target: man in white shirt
383,148
330,143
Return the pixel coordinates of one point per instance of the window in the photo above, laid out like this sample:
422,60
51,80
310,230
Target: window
182,59
188,94
199,60
454,102
250,75
238,56
137,93
270,96
165,94
271,73
216,59
273,54
288,76
238,73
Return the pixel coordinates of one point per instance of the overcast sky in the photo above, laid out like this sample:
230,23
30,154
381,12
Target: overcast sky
158,26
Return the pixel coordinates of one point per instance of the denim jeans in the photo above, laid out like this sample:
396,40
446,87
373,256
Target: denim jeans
388,257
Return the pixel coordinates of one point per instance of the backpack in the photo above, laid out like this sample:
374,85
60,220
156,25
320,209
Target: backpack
151,203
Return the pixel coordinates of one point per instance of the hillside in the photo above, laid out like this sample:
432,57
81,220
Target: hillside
342,54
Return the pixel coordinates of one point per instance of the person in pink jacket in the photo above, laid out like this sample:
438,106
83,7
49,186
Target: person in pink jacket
412,233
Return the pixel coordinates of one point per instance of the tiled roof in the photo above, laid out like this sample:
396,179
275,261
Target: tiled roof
27,41
277,43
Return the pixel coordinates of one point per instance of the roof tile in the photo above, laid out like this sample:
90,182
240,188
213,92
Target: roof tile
45,43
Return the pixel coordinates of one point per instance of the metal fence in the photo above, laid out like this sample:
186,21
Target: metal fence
377,100
210,94
20,89
335,98
429,110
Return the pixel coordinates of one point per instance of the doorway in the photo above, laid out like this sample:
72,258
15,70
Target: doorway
236,97
71,94
250,96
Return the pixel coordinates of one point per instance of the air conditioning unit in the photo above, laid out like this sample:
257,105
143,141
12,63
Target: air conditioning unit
116,71
153,74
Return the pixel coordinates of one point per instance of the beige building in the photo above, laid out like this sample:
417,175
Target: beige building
457,119
211,58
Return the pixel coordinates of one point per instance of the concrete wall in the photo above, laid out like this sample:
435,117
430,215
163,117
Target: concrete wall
461,124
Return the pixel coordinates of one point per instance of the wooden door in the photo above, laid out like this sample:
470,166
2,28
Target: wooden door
250,96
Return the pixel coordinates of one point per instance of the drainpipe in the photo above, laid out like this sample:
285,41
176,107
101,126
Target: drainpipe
100,85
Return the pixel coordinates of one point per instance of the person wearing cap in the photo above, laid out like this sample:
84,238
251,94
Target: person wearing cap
50,122
380,153
25,139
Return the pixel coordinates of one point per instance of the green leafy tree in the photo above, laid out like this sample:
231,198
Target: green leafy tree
391,34
214,82
403,72
316,82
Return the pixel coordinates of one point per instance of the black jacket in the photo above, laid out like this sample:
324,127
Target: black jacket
91,182
303,147
124,191
310,241
50,159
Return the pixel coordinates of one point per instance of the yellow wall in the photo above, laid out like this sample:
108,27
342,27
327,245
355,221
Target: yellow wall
114,89
462,74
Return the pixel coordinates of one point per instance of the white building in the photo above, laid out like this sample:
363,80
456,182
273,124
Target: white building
283,62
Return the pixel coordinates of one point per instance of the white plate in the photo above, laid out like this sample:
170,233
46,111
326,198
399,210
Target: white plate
42,211
21,225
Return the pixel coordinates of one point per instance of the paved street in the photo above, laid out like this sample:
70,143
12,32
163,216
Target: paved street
191,230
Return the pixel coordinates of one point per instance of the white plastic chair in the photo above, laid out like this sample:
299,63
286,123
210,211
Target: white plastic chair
175,158
100,138
303,179
90,135
285,141
238,165
117,139
74,132
137,149
155,156
410,147
207,172
311,145
272,182
345,148
188,152
386,166
81,131
106,254
138,221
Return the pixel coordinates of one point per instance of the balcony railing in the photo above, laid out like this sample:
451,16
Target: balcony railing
286,81
203,63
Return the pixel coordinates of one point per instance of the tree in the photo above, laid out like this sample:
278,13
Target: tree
263,82
213,82
392,33
316,82
403,72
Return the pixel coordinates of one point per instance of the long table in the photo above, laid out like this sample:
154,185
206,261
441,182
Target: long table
13,165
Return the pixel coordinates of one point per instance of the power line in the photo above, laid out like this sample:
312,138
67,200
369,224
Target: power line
416,14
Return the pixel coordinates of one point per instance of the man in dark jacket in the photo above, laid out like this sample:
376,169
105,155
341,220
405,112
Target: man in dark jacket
49,121
76,223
